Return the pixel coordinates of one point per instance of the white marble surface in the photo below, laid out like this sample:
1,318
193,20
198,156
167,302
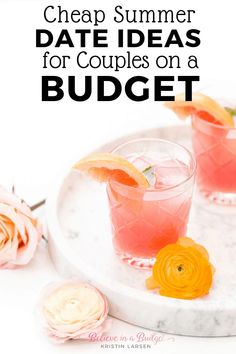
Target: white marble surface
80,245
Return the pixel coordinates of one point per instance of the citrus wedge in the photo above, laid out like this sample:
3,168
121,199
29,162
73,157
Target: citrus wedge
105,166
200,103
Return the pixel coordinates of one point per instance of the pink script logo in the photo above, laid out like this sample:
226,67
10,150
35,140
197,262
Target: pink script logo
140,339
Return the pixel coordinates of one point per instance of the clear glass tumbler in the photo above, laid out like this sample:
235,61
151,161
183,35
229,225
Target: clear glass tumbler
145,220
215,150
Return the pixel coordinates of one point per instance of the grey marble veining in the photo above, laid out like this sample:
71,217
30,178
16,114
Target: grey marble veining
81,245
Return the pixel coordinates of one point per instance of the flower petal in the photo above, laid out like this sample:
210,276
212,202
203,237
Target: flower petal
182,270
13,201
26,252
10,213
72,310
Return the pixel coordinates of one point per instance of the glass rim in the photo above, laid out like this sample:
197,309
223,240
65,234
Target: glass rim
153,190
223,127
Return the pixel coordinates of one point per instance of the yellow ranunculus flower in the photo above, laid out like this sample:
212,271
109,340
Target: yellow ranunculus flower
182,270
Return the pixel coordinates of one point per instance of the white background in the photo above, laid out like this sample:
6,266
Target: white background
38,139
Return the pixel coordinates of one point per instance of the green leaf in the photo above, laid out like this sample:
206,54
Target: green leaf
150,174
232,111
147,169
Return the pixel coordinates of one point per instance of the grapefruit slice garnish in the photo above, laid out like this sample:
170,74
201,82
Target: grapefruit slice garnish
200,103
106,166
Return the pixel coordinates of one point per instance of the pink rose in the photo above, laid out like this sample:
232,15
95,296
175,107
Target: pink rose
73,310
19,231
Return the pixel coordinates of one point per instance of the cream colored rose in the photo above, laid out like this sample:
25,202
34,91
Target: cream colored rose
73,310
19,231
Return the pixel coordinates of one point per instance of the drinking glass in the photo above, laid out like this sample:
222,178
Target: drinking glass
215,150
145,220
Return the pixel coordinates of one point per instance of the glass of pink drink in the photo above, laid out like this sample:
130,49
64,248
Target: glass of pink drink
145,220
215,149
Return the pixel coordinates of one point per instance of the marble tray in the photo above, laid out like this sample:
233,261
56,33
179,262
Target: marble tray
80,246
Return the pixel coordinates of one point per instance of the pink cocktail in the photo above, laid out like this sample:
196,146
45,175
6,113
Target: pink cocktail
215,149
145,220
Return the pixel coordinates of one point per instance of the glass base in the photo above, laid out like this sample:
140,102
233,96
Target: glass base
137,262
220,198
